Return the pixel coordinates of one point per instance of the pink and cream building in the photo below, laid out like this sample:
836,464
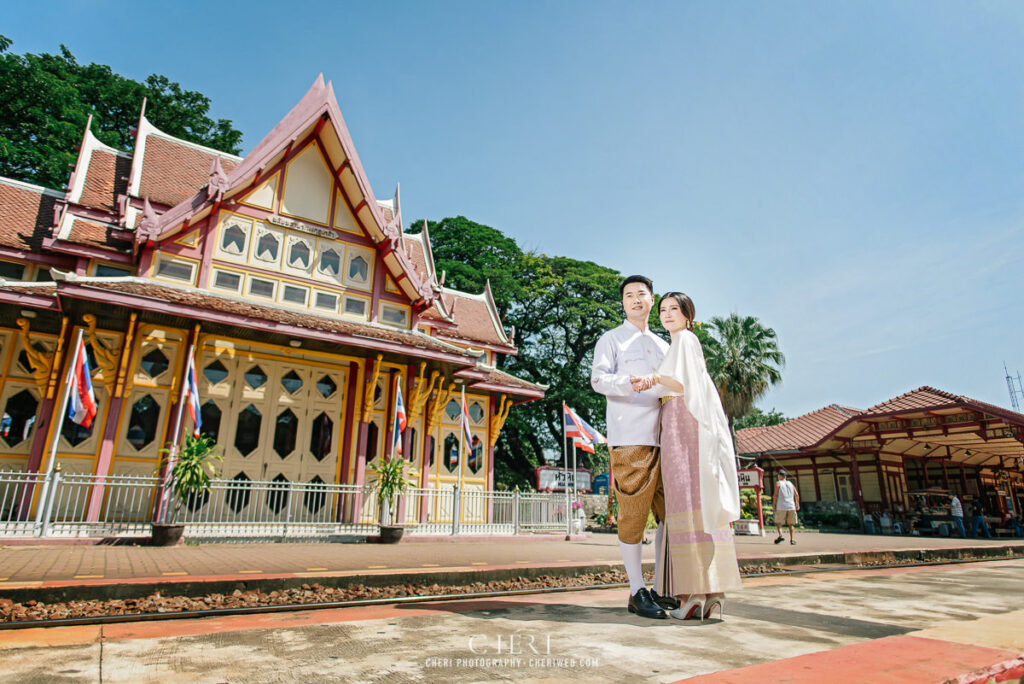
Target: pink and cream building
304,299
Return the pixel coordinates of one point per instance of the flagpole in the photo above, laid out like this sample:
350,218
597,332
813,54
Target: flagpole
64,404
172,452
394,421
565,470
59,424
462,438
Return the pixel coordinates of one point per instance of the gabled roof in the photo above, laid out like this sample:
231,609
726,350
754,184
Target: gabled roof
928,398
168,170
475,318
100,175
101,234
26,214
317,113
796,433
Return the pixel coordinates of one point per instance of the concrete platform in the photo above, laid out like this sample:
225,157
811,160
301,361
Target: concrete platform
59,572
908,625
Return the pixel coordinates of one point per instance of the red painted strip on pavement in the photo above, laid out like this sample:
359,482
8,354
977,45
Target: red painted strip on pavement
890,660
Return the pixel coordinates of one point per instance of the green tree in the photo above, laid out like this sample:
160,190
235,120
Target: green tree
744,360
758,418
47,100
471,253
559,307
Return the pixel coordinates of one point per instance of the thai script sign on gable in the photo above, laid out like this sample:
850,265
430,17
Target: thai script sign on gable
304,227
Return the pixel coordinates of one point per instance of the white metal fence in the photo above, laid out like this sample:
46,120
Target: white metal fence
75,505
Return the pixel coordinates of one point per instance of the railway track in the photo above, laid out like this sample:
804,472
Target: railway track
433,598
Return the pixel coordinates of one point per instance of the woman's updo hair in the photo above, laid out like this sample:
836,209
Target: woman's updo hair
685,305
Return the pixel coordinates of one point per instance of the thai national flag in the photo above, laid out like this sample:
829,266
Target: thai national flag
584,436
401,420
192,397
466,433
82,408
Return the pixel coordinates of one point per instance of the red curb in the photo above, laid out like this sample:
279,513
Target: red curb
890,660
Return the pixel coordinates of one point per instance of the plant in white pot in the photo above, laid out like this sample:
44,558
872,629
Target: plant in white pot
190,481
391,483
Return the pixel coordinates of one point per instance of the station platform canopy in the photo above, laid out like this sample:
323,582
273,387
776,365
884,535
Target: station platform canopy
926,423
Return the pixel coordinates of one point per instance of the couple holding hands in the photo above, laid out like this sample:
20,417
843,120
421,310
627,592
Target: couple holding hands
671,453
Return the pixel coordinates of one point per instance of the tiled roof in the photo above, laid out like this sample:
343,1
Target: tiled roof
105,179
211,302
793,434
173,171
416,257
928,398
921,398
502,378
26,215
97,234
472,316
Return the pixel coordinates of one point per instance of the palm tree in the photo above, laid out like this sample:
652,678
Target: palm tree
744,360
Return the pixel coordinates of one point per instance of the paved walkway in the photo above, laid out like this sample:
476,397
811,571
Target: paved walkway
89,566
909,625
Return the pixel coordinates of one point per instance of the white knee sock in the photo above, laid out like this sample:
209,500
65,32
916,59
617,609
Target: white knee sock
659,551
631,558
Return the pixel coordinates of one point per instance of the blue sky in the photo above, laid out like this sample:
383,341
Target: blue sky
850,173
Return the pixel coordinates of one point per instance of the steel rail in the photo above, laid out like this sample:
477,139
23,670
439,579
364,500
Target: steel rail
434,598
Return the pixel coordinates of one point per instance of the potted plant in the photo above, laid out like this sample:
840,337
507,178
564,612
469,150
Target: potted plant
190,480
391,483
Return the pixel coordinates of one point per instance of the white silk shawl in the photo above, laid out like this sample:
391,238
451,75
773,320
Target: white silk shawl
719,487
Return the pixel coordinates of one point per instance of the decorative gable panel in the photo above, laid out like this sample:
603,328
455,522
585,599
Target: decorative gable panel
307,187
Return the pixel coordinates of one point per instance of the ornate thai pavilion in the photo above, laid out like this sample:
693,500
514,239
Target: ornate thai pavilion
304,300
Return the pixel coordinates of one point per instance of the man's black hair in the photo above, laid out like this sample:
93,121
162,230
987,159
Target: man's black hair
643,280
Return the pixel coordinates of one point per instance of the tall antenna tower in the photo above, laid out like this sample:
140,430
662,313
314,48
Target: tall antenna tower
1015,387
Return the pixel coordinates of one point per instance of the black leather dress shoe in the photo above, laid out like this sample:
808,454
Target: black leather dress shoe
666,602
643,605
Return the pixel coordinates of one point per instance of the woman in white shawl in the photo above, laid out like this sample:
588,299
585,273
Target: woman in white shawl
698,467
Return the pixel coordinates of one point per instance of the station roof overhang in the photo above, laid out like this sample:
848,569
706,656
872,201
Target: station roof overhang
113,300
930,424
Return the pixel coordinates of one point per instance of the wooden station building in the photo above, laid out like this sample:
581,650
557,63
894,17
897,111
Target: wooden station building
926,439
303,298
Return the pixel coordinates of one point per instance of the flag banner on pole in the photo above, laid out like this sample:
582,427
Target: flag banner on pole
82,408
584,436
401,420
192,397
467,434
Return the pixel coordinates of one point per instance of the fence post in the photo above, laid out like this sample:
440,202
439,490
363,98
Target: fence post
515,511
456,508
51,495
288,506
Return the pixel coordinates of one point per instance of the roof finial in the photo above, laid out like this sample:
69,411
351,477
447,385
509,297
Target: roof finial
218,182
149,226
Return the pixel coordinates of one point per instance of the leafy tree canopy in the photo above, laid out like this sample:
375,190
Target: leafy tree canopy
559,307
758,418
47,100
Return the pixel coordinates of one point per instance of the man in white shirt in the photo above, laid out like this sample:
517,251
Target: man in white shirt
632,422
956,512
786,503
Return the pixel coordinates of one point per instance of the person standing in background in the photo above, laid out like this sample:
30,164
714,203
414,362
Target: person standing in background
786,503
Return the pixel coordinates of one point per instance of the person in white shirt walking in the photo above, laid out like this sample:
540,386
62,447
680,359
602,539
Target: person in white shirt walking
632,422
956,512
786,503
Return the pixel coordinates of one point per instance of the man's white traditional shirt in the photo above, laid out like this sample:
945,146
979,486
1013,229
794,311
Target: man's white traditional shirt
632,417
